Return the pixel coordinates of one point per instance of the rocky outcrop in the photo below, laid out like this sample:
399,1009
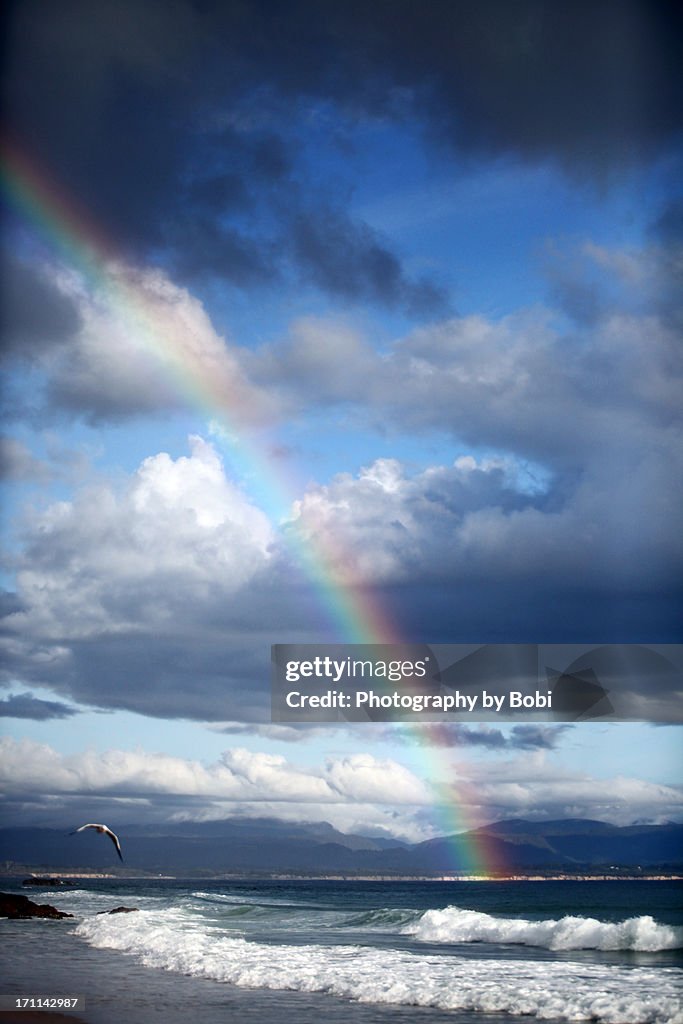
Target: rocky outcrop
18,907
119,910
40,880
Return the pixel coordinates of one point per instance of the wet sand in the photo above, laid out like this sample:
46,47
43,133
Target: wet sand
36,1016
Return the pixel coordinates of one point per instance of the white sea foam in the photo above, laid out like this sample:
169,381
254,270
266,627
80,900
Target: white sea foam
544,990
453,925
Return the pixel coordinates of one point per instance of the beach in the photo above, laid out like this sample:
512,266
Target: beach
118,987
366,952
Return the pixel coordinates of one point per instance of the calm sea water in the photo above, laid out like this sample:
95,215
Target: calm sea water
365,952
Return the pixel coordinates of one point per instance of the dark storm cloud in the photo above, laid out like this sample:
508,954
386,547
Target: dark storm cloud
455,734
349,260
204,247
178,125
588,84
25,705
667,237
97,103
238,175
151,677
536,737
142,135
34,314
668,228
498,610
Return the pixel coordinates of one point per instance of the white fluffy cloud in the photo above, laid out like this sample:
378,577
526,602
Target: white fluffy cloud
353,792
110,560
389,525
537,786
147,593
240,775
357,791
362,777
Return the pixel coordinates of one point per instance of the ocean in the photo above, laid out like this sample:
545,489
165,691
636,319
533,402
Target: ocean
358,952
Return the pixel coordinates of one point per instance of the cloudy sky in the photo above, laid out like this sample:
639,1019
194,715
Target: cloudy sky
333,322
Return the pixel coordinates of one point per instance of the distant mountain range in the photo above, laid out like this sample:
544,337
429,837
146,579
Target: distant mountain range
268,846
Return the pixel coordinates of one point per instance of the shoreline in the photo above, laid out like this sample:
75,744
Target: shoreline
338,877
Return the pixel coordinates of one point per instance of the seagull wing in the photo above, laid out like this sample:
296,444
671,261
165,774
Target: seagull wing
115,840
105,831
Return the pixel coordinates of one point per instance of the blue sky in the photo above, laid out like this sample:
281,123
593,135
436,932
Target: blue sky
429,256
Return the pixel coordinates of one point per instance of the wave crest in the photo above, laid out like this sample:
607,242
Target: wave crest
642,934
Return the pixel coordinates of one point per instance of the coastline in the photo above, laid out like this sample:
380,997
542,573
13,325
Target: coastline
300,877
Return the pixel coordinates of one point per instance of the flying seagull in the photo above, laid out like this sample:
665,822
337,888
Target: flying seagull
105,832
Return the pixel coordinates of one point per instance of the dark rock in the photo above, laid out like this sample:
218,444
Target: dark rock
38,880
119,910
17,907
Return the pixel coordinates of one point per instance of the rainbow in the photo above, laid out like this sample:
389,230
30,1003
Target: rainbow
354,615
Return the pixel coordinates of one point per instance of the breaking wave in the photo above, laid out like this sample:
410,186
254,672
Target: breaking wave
453,925
544,990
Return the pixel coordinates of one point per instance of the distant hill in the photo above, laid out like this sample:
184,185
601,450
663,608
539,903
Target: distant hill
269,846
576,845
231,845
